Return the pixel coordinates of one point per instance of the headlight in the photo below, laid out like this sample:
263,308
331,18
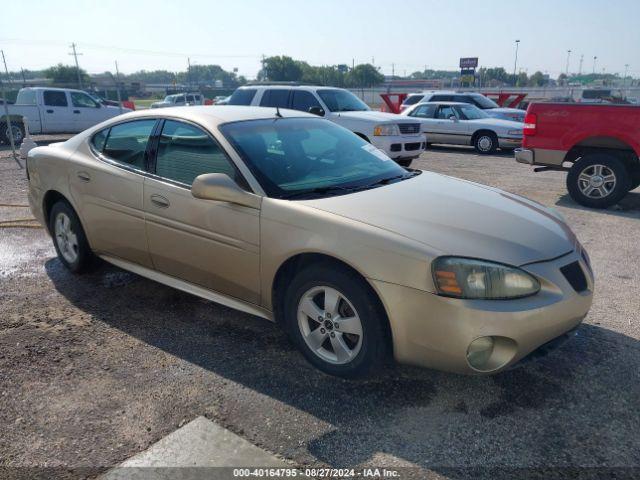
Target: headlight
478,279
515,132
380,130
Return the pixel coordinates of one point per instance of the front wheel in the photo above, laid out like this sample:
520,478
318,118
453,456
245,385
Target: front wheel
333,318
18,133
486,143
598,180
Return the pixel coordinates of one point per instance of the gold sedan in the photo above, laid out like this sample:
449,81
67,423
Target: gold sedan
292,218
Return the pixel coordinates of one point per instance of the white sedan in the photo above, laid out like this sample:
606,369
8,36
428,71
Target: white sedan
459,123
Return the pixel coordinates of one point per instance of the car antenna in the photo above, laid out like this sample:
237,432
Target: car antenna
278,112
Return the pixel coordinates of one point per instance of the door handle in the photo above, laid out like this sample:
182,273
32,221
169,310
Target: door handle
159,201
84,176
49,111
76,111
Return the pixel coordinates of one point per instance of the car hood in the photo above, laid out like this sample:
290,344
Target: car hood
498,123
371,115
456,217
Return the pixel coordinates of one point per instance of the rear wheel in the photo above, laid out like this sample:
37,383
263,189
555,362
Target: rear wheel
331,316
485,143
598,180
18,133
69,238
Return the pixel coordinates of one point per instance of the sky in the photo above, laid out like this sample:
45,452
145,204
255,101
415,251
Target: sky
400,35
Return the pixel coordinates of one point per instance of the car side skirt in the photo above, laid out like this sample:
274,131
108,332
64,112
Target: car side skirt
187,287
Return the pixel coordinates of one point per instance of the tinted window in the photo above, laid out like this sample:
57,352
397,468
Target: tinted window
79,99
412,99
424,111
445,112
53,98
242,96
470,112
303,101
293,156
127,142
186,151
99,138
190,98
275,98
342,101
483,102
441,98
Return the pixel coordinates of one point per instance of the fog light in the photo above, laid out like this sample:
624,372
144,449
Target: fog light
479,352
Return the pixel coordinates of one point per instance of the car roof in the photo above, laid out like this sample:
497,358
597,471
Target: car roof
288,87
443,103
212,116
55,89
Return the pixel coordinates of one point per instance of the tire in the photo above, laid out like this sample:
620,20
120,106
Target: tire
69,238
357,351
404,162
485,143
598,180
18,133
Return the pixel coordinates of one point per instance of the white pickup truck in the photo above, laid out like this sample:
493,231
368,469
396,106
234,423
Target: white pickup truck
397,136
53,110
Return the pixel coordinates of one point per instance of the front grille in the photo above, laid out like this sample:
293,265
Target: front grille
409,128
411,146
575,276
396,147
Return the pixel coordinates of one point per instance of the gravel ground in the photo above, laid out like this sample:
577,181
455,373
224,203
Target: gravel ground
94,369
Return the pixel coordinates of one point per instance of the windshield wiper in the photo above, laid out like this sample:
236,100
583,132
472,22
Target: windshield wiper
386,181
318,191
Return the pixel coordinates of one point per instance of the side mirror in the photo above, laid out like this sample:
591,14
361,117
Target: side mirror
316,110
453,118
218,186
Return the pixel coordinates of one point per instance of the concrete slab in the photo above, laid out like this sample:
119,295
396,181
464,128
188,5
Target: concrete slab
200,449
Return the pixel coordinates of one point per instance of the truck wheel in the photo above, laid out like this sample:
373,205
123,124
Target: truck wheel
18,133
485,143
598,180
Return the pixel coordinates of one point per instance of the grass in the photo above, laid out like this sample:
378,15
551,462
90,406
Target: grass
144,102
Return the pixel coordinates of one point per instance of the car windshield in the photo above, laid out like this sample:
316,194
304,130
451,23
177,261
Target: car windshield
484,102
171,98
309,158
342,101
470,112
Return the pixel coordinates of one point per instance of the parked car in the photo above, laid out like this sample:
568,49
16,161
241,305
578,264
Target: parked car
484,103
295,219
180,100
221,100
396,136
465,124
53,110
597,144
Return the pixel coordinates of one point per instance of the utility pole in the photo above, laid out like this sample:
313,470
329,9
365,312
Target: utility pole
594,64
393,70
624,79
118,87
353,63
581,60
24,78
515,63
75,57
6,113
188,73
568,58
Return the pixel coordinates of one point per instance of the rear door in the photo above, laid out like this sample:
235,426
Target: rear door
276,97
208,243
56,112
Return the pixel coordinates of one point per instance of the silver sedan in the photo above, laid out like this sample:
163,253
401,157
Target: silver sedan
459,123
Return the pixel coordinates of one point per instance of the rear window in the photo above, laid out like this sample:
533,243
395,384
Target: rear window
54,98
412,99
275,98
242,96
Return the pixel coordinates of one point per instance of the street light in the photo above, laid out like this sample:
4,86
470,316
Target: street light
624,79
568,57
515,63
594,64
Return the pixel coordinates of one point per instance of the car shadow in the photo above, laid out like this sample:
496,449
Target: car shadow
576,407
628,207
466,149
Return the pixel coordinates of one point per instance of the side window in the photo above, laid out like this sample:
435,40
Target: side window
462,99
424,111
242,96
303,101
412,99
441,98
54,98
275,98
99,139
82,100
179,99
190,99
445,111
185,151
127,142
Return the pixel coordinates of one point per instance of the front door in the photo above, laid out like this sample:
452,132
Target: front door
86,111
212,244
449,128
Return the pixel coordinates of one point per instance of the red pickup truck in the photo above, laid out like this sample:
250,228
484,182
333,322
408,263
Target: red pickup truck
598,145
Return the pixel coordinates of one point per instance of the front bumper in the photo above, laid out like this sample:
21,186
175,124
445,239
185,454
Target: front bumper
401,147
524,156
433,331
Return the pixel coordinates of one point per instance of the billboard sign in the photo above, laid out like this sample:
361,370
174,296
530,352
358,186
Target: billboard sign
469,62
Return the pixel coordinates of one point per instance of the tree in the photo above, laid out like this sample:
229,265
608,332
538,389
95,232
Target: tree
66,74
537,79
280,69
364,75
562,79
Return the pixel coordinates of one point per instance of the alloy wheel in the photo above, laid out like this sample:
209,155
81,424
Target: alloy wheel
330,325
485,143
597,181
66,238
